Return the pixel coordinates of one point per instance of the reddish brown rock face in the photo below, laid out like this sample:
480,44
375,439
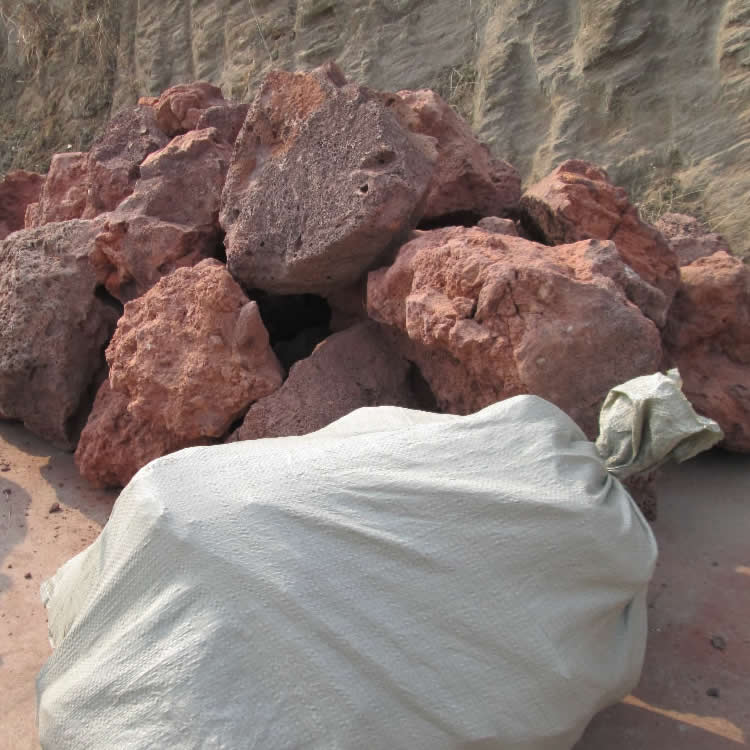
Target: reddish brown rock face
187,360
325,181
115,157
18,190
349,370
577,202
488,316
690,238
227,118
53,329
468,180
708,337
63,195
171,218
180,107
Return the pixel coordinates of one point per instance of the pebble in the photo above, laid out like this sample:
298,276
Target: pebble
54,508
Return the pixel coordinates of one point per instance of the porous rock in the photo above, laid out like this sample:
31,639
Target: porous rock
53,329
227,118
468,179
355,368
488,316
186,361
577,202
689,237
708,338
180,107
498,225
115,157
18,190
324,182
65,190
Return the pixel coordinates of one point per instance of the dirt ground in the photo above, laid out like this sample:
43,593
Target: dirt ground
692,696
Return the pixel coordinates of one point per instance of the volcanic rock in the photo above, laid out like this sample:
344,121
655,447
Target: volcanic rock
324,182
64,192
348,370
186,361
690,238
53,328
577,202
227,118
498,225
180,107
468,181
487,316
115,157
18,189
708,338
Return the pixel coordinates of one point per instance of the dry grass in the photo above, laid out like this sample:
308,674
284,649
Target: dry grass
456,85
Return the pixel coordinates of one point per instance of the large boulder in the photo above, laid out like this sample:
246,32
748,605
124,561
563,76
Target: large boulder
115,157
349,370
18,190
180,107
689,237
577,202
468,181
324,182
53,329
486,316
171,218
65,190
186,361
227,118
708,338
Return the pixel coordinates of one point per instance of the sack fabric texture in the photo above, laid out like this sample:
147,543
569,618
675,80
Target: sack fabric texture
398,579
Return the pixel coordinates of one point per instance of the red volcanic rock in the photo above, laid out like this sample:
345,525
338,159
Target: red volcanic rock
498,226
348,370
53,329
708,338
171,218
115,157
467,179
690,238
18,190
325,181
187,360
226,118
577,202
148,101
180,107
64,192
487,316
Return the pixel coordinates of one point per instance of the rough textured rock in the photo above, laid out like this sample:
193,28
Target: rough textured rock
498,225
180,107
53,329
171,218
708,338
324,181
115,157
226,118
18,190
690,238
468,179
186,361
537,78
488,316
577,202
65,190
348,370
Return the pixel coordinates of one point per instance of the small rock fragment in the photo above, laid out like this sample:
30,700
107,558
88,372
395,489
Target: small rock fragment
719,642
54,508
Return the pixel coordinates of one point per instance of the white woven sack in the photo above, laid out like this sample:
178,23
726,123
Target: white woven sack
396,580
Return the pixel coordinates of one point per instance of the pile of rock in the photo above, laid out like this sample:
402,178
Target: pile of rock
210,271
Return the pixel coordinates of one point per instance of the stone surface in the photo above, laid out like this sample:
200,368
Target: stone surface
226,118
498,225
577,202
171,218
180,107
115,157
348,370
468,179
708,338
186,361
53,329
324,182
65,189
690,238
18,190
487,316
